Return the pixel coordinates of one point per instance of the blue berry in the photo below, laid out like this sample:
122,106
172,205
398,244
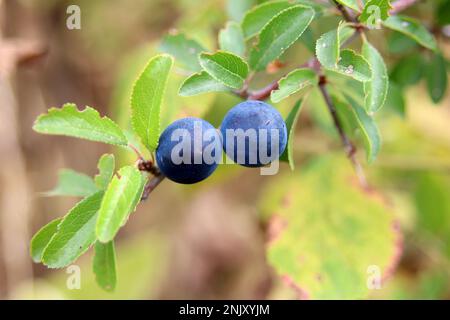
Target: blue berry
261,127
189,150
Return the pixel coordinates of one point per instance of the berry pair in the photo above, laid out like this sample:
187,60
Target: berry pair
253,134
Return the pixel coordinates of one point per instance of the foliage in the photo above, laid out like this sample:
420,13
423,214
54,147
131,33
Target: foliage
325,242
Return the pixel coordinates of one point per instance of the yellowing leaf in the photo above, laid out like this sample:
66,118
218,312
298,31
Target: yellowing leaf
327,233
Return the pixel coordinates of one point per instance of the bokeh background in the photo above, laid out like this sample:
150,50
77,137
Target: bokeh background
203,241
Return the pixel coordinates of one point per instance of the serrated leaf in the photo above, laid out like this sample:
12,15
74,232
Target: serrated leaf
184,50
76,233
328,46
225,67
291,122
200,83
354,65
330,231
105,167
279,34
377,88
85,124
413,29
146,99
353,4
231,39
120,200
255,19
41,239
368,129
73,184
375,11
292,83
104,265
436,73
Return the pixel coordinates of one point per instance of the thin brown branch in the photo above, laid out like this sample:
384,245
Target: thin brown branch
151,185
345,14
348,145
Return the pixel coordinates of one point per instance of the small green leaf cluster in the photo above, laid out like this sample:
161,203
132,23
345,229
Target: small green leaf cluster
110,197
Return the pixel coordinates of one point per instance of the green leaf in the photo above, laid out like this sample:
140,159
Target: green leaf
121,198
237,8
146,99
413,29
200,83
328,231
105,167
308,40
86,124
279,34
76,233
231,39
292,83
398,43
42,238
354,65
184,50
395,100
368,129
73,184
409,70
442,13
291,122
259,16
436,73
353,4
104,265
225,67
375,11
377,88
328,46
433,206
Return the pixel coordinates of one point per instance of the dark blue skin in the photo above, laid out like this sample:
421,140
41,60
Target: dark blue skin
254,115
186,173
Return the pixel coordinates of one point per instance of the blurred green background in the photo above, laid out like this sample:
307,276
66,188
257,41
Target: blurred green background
208,240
